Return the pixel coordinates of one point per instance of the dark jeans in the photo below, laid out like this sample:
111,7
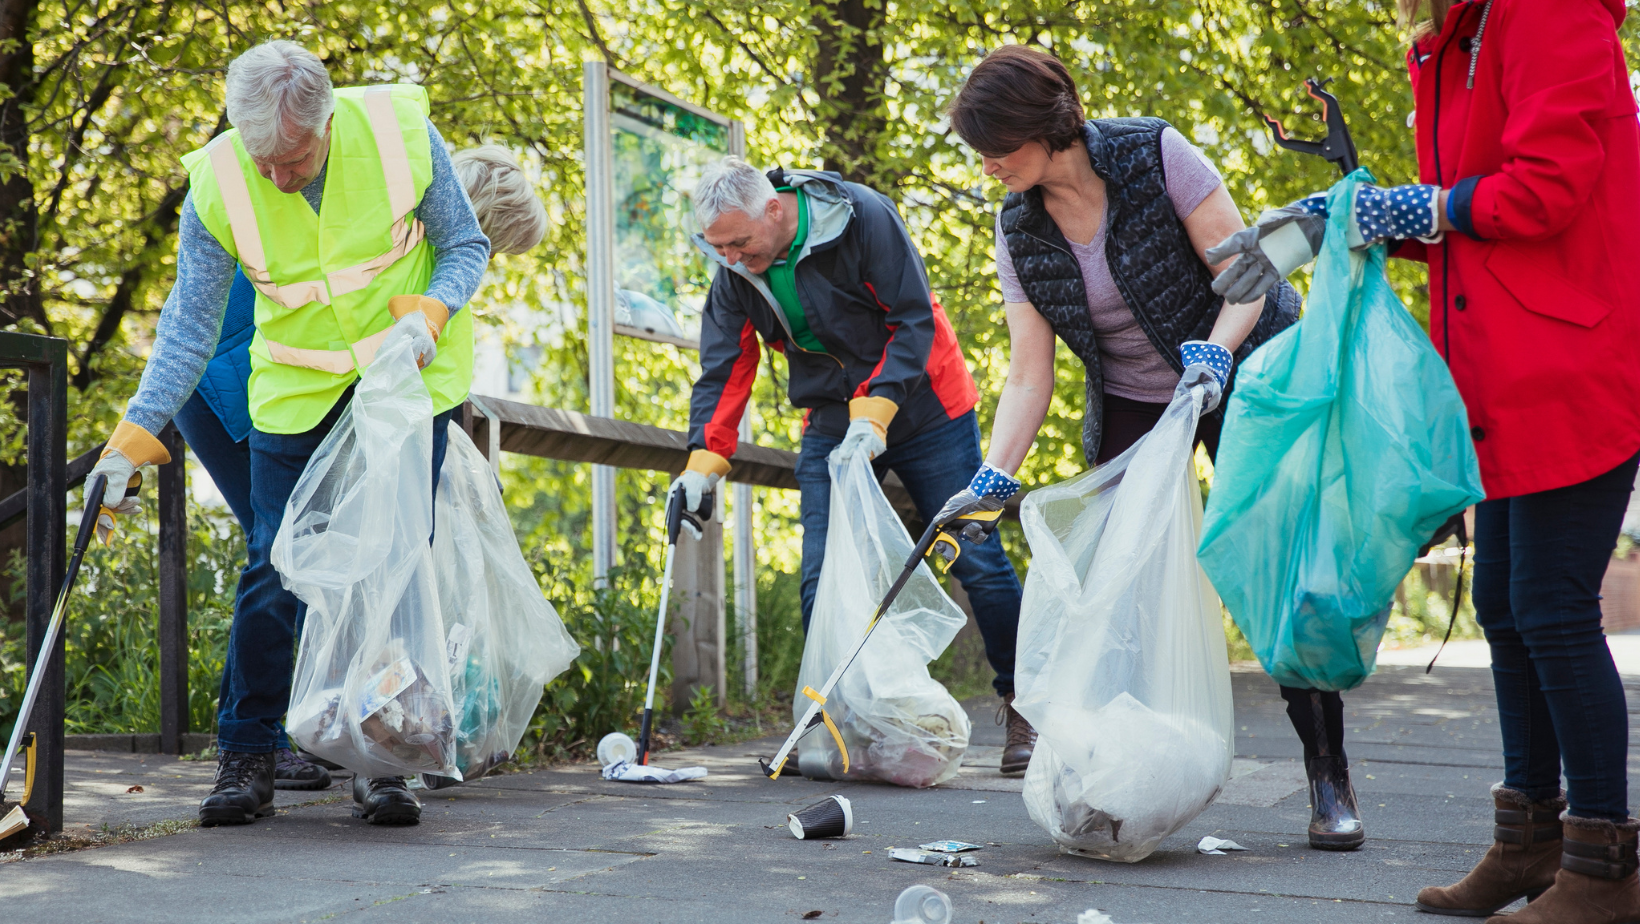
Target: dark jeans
267,618
934,465
227,462
1317,715
1539,561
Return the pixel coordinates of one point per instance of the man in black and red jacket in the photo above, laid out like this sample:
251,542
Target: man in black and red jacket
824,272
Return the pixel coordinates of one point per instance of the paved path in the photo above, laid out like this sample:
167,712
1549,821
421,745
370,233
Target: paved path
562,845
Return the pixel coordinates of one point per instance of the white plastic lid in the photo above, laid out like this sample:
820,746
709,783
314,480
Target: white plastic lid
615,747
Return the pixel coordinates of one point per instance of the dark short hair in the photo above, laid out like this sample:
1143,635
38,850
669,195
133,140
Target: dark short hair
1015,96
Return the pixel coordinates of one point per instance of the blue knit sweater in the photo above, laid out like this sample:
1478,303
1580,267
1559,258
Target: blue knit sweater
185,338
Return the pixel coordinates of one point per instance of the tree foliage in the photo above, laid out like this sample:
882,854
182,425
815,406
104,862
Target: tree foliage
100,98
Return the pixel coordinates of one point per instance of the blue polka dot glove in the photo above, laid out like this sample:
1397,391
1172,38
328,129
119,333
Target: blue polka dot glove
1396,213
1208,365
991,481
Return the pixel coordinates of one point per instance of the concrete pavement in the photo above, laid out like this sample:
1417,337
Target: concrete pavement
563,845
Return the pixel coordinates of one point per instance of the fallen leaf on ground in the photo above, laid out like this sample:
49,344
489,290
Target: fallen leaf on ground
813,914
137,788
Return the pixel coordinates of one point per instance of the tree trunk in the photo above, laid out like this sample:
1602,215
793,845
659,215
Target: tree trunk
19,220
849,75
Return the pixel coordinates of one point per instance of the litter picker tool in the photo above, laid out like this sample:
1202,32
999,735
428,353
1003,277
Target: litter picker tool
16,821
1337,147
970,519
675,515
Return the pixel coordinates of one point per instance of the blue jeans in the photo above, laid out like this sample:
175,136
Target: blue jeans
227,462
933,465
267,618
1539,561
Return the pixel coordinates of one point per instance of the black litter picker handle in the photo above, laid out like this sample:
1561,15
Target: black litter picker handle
1337,147
675,514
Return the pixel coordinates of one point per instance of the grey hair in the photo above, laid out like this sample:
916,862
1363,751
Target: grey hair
278,93
509,212
731,184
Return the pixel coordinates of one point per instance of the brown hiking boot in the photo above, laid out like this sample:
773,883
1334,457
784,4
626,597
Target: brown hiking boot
1596,883
1523,860
1016,753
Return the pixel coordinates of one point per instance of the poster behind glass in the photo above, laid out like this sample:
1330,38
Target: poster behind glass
659,151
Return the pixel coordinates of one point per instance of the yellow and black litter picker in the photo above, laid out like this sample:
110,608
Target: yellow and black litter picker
16,822
970,519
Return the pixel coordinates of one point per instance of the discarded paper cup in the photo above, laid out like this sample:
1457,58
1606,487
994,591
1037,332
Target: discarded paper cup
833,817
615,747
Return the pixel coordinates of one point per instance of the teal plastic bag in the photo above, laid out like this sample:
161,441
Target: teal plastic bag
1345,447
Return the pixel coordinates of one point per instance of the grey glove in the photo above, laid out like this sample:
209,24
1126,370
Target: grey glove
694,485
119,470
1283,240
421,334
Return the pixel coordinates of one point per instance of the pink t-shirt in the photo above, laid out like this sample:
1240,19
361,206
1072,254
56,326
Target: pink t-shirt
1132,367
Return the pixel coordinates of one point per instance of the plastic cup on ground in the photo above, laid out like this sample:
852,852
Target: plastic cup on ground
615,747
833,817
922,904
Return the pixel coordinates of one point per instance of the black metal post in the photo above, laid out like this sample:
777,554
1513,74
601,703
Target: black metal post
173,593
46,359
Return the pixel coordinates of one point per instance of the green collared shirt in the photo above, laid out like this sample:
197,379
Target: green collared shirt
782,281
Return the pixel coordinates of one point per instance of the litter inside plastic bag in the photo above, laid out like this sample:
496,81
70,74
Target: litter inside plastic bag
1345,446
1122,667
503,641
392,620
898,723
371,689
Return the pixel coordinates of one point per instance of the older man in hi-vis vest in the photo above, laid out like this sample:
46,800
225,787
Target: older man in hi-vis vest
342,209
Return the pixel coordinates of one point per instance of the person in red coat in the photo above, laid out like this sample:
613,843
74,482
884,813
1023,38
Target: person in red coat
1529,168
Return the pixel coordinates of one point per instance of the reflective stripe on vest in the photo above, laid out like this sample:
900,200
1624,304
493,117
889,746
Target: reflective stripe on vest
336,362
407,232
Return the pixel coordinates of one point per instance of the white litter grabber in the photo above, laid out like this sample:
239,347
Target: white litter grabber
675,515
15,821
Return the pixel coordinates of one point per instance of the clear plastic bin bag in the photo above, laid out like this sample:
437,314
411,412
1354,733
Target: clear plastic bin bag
502,639
371,691
900,725
1121,664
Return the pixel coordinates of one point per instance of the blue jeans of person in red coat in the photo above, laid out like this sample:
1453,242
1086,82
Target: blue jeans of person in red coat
1539,561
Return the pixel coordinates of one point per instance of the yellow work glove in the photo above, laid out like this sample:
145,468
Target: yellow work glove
867,429
130,448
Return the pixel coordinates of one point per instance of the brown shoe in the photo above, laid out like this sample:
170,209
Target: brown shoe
1523,860
1596,883
1016,753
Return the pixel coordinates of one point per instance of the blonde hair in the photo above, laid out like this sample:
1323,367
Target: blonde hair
509,212
1423,17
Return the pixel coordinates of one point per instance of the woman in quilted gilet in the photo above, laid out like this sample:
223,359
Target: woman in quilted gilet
1101,242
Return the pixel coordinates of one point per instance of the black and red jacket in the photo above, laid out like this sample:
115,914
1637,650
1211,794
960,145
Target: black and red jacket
865,296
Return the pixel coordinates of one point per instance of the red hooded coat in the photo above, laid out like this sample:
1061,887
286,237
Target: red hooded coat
1535,303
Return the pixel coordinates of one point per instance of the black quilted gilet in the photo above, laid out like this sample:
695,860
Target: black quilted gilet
1155,267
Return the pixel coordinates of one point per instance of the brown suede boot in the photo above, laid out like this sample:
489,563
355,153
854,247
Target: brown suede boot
1524,858
1596,883
1016,752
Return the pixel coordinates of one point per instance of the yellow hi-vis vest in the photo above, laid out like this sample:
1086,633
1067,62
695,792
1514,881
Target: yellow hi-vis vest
322,281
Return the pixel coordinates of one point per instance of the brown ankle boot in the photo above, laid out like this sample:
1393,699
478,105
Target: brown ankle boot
1523,860
1016,753
1596,883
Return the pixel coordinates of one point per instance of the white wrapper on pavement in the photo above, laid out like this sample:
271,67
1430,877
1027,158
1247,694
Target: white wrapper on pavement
1121,666
503,641
899,724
